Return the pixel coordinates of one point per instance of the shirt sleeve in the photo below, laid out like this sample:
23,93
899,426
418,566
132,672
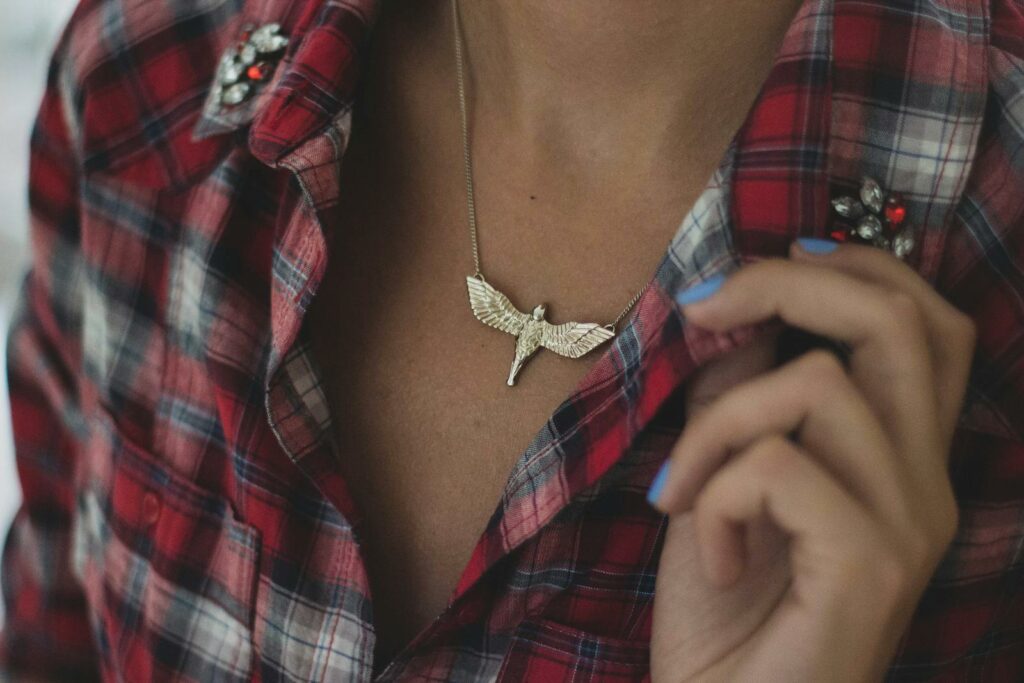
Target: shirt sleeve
46,634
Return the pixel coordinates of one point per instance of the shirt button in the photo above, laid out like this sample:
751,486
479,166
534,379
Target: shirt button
150,508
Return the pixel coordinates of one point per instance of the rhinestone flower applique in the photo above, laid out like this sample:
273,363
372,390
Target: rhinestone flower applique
875,218
248,64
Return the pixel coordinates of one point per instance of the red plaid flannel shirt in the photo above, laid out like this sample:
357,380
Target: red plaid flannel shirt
183,518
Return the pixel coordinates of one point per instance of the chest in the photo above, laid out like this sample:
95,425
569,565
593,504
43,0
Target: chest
428,429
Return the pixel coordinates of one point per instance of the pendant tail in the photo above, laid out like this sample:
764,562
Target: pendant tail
517,365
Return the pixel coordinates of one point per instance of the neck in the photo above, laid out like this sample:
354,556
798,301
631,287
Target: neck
588,78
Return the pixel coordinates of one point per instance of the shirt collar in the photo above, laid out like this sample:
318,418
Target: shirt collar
845,54
312,87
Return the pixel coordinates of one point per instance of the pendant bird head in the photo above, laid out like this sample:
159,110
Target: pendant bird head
538,313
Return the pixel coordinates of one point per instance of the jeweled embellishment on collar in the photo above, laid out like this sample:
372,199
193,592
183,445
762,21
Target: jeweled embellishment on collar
249,64
875,218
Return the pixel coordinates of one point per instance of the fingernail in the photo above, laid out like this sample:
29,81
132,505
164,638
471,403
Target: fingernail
658,484
817,246
700,291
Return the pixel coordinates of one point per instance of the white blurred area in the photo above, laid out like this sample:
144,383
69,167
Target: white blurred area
28,30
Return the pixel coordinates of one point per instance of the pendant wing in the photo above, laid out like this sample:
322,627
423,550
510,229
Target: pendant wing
574,339
493,308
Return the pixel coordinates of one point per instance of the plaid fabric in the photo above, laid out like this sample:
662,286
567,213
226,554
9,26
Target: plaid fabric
183,516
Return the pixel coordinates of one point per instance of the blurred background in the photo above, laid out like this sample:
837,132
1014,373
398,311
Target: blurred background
27,34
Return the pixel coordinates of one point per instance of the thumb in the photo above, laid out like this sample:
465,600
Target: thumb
729,370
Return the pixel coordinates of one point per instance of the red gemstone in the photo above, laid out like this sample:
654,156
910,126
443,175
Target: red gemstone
839,235
257,72
246,35
895,212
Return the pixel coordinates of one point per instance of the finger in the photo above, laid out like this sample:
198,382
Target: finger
732,369
813,398
889,358
951,333
775,477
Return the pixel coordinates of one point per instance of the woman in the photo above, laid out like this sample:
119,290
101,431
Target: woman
260,427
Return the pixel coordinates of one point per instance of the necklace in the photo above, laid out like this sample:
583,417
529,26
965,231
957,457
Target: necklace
491,307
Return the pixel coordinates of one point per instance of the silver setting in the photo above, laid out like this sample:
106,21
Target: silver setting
865,219
265,44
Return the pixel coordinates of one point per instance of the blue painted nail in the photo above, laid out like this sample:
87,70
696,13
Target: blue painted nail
700,291
658,484
817,246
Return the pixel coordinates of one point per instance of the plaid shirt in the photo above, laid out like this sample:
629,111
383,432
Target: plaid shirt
183,515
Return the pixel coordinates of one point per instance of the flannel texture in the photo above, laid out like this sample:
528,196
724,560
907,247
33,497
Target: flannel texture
183,516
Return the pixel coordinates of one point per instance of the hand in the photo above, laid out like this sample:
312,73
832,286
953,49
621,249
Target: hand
843,470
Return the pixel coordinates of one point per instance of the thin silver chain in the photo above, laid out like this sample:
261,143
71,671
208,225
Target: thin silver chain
467,159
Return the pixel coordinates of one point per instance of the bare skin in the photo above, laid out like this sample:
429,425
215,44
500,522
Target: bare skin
592,137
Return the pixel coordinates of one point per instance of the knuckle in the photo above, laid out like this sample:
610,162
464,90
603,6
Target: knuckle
906,510
822,368
774,457
947,523
880,563
964,329
714,496
894,575
915,546
923,540
903,312
887,564
902,304
923,544
864,566
708,499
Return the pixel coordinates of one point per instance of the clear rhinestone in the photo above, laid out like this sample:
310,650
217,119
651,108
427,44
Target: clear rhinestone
268,39
231,72
903,243
266,30
869,228
274,44
871,194
228,70
247,55
848,207
235,94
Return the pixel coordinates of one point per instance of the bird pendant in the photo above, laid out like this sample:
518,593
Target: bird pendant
532,331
